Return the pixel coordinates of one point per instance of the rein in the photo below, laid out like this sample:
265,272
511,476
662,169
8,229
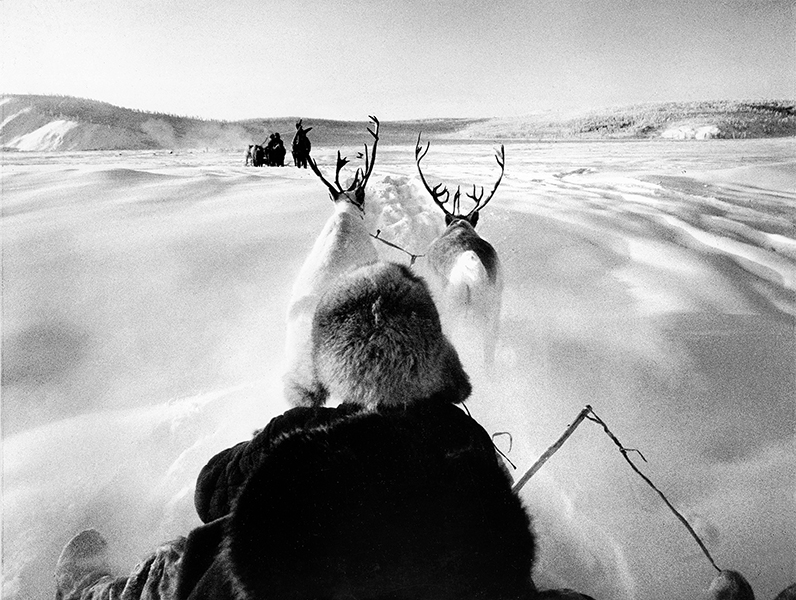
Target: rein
412,257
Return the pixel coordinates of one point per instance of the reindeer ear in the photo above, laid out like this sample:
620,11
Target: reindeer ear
308,129
474,218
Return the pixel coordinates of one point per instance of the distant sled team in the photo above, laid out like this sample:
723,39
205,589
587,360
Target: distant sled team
271,153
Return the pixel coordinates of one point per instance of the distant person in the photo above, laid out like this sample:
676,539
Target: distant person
278,152
259,156
268,147
249,156
301,146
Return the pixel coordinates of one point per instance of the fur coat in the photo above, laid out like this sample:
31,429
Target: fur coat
405,502
398,503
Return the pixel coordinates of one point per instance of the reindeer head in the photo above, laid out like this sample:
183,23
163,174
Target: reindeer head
440,194
354,193
300,131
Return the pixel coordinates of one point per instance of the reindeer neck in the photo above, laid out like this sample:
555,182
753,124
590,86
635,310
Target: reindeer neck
459,224
344,206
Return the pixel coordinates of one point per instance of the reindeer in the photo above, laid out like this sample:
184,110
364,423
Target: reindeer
343,244
301,146
258,155
464,269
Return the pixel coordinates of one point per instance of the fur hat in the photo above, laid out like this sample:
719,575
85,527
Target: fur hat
377,340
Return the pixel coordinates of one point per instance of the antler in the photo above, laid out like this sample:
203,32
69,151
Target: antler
500,157
369,165
335,192
360,178
435,192
341,162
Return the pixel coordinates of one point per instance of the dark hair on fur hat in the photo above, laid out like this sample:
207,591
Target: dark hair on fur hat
377,339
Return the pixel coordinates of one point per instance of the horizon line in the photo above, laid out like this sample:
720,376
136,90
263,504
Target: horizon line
550,111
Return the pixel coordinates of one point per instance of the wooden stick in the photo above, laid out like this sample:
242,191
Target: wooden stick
551,450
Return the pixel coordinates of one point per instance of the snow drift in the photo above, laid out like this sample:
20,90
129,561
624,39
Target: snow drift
144,297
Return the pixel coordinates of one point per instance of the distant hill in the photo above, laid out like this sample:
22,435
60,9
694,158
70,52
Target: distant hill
673,120
44,123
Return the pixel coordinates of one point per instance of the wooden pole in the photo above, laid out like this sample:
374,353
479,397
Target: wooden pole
551,450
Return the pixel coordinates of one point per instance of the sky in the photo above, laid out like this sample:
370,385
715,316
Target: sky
345,59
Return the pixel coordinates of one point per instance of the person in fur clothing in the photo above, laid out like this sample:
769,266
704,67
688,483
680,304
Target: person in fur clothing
395,494
377,341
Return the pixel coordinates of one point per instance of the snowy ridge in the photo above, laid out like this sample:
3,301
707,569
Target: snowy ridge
44,139
103,126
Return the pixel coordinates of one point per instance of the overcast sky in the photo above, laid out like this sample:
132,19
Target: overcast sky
399,59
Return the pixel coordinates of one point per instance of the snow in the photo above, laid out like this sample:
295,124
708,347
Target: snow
45,138
690,132
144,301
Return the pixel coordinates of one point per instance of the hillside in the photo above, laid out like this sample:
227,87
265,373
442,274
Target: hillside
45,123
672,120
48,123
